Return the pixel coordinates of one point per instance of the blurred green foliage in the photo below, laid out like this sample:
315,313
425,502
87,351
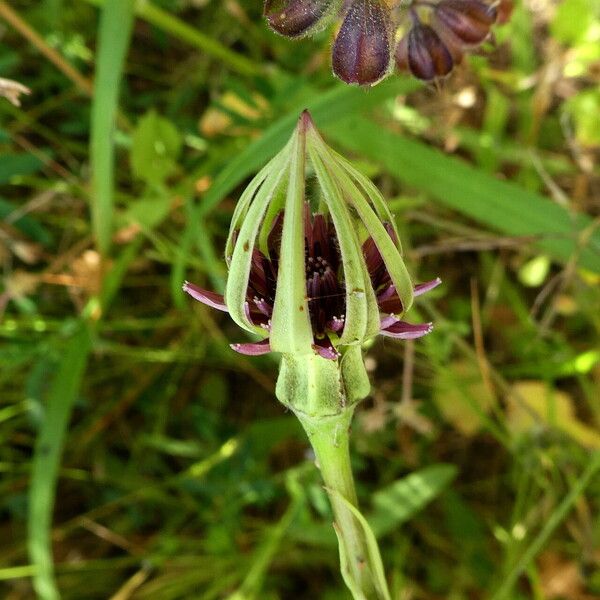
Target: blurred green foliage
144,459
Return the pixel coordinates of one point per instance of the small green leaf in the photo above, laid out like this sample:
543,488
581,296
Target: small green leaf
12,165
345,568
148,212
584,109
572,20
46,460
398,502
375,563
155,150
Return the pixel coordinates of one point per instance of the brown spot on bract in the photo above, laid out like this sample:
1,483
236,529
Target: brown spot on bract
301,308
246,246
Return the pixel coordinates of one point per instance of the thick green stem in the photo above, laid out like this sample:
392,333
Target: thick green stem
323,393
329,438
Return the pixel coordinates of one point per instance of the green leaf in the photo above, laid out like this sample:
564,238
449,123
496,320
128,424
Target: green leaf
116,23
572,20
25,223
148,212
361,304
501,205
398,502
345,568
584,109
241,257
328,107
191,35
46,459
156,145
375,562
12,165
557,516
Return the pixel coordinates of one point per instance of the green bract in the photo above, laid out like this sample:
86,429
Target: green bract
305,172
355,207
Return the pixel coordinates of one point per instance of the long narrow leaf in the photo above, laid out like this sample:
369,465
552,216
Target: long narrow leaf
556,518
501,205
327,107
193,36
116,23
46,460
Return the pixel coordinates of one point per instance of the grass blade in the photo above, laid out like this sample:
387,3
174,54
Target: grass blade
498,204
46,460
116,22
398,502
326,108
555,519
186,33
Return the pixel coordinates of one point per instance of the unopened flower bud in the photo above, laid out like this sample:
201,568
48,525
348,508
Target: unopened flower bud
428,56
469,21
297,18
505,9
362,50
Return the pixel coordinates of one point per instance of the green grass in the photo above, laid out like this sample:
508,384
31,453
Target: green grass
141,458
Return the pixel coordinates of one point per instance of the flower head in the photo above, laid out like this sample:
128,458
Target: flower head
314,281
426,37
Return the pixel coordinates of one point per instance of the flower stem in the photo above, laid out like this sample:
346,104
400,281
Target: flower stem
329,438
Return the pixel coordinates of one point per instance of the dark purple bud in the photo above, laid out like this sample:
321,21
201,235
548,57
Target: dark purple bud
295,18
428,56
505,9
469,20
401,54
362,49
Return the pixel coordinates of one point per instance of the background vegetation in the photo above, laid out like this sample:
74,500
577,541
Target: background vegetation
174,472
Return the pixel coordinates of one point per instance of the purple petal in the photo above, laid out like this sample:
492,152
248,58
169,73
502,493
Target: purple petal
323,347
387,293
422,288
263,306
389,302
336,324
407,331
387,321
253,348
209,298
372,256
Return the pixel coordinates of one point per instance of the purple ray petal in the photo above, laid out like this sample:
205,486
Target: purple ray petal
407,331
263,306
386,293
391,305
323,347
274,239
336,324
209,298
372,256
253,348
422,288
388,321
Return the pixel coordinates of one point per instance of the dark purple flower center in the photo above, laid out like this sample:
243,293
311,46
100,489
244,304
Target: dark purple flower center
324,285
325,288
